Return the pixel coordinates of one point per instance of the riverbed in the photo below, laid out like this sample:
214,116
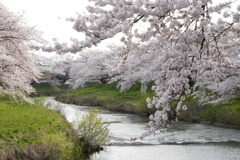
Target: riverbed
181,141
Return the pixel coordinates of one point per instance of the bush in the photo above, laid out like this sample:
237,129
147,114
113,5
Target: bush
93,132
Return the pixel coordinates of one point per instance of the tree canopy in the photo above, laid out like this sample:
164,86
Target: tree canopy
17,68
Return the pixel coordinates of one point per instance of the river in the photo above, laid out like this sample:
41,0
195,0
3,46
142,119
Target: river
181,141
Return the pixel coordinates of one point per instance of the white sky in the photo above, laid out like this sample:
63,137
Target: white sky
44,14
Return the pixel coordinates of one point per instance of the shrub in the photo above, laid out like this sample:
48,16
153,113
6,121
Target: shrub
93,132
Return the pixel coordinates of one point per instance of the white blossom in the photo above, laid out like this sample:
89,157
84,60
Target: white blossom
184,107
17,69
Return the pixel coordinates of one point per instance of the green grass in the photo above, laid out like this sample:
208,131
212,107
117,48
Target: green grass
29,128
226,113
20,123
45,89
107,95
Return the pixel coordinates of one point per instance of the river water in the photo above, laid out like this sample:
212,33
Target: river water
181,141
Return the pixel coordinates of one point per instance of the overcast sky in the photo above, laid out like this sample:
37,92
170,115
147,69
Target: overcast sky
44,14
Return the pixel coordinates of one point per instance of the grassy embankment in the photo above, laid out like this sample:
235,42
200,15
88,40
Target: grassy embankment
107,95
30,131
223,114
45,89
133,101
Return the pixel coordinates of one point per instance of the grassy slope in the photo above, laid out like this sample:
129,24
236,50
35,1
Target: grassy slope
224,114
134,101
227,113
28,127
45,89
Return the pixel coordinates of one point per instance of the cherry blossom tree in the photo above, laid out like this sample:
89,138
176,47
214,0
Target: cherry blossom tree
175,43
17,68
56,65
185,46
92,66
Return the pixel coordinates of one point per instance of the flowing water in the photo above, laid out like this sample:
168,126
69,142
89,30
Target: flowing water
181,141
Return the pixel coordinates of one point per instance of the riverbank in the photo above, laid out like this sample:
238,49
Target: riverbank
225,114
133,101
31,131
46,89
108,96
